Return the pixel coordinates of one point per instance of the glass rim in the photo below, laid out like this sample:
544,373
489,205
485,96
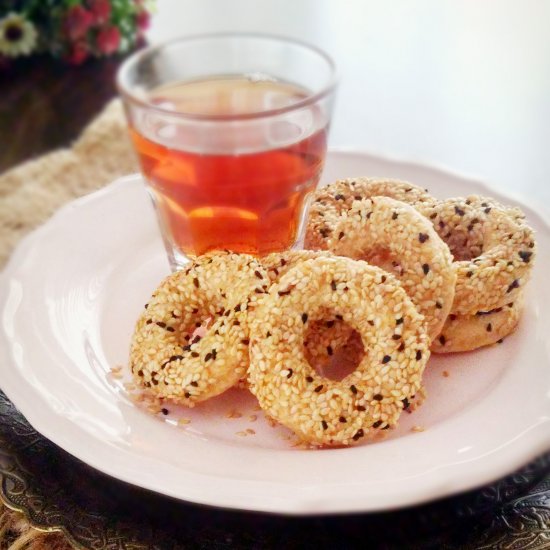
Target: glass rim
137,57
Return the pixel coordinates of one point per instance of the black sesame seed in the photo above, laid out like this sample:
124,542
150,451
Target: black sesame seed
459,211
236,323
500,341
214,354
353,389
309,379
396,337
339,317
531,244
208,356
268,334
318,388
258,274
399,321
425,268
469,274
383,278
442,340
487,210
489,327
370,322
361,408
140,373
194,354
401,346
468,201
195,384
438,305
418,355
187,395
330,324
340,235
237,308
406,404
433,216
324,424
525,255
161,324
329,350
149,321
357,197
290,373
358,434
394,216
452,316
514,284
377,424
333,285
342,419
245,341
186,348
339,197
170,329
423,237
164,411
196,282
386,359
378,397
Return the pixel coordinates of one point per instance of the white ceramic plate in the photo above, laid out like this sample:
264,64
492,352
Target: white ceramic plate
69,299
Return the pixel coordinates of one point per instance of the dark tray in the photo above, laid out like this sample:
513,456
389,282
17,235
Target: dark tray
56,491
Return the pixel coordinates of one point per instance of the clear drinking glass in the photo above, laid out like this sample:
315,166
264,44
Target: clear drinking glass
231,133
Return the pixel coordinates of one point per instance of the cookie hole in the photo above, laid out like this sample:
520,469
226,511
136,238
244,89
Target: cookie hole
333,348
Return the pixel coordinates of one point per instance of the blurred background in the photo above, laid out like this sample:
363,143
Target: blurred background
460,84
464,84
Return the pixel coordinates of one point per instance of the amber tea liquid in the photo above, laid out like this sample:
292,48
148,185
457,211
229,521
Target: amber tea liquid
241,186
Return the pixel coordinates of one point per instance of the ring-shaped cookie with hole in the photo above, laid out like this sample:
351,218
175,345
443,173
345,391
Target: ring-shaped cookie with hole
393,235
323,411
331,200
168,357
493,249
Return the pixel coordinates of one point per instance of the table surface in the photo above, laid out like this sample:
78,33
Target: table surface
465,85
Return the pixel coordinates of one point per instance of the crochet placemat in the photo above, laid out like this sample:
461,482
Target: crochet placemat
69,503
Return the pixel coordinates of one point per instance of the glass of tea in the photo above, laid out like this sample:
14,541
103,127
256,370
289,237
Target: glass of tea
231,133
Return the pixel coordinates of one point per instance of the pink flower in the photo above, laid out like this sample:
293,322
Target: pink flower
101,10
78,54
142,20
77,22
108,40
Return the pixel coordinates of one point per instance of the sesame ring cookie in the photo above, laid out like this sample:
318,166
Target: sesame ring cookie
393,235
469,332
333,199
168,358
371,398
493,249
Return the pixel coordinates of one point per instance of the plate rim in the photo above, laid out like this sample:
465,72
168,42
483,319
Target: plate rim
509,461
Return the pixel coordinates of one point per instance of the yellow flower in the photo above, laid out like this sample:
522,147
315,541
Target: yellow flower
18,36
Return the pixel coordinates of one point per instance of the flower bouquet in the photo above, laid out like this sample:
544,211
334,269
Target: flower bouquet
73,30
